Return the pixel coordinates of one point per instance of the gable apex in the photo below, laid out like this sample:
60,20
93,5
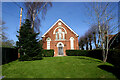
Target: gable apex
55,24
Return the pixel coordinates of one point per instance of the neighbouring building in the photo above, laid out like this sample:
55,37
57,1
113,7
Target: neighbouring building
60,37
114,42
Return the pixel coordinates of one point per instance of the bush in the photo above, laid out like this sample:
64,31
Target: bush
76,52
48,53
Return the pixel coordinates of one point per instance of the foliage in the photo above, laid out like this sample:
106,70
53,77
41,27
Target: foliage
96,53
5,42
2,28
28,43
32,11
86,40
103,20
48,53
76,52
114,57
8,43
38,57
81,42
25,58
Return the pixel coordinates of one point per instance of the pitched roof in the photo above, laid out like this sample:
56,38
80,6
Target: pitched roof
55,24
112,36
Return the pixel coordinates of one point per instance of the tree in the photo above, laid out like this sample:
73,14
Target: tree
86,42
81,42
8,43
103,17
28,45
2,30
5,42
90,40
33,9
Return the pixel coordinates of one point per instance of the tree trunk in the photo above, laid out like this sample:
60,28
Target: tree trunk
33,20
106,41
90,46
98,40
95,40
103,52
87,46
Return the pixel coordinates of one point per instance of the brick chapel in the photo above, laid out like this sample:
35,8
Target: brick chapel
60,37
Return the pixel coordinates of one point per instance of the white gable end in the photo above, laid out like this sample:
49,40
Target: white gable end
55,24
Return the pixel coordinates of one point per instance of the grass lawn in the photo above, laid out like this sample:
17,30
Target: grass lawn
57,67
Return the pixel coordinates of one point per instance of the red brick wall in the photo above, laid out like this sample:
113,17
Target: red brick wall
66,42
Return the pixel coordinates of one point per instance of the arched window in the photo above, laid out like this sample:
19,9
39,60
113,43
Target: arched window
63,35
60,36
60,33
48,42
72,42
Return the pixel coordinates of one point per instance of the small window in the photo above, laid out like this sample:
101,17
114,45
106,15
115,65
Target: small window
48,42
72,42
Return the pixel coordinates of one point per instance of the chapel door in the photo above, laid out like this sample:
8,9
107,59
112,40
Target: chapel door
60,50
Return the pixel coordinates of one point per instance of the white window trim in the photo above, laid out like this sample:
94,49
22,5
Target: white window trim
60,27
48,43
60,43
60,40
63,35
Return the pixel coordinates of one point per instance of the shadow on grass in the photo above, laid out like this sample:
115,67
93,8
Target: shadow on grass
91,59
111,69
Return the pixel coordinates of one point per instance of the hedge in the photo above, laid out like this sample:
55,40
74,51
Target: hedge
48,53
9,54
113,55
76,52
97,53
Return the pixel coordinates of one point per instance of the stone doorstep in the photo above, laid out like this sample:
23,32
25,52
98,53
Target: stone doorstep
59,55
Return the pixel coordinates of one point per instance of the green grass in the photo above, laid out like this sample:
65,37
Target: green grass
57,67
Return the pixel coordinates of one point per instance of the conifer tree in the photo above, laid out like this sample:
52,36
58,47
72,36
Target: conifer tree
28,44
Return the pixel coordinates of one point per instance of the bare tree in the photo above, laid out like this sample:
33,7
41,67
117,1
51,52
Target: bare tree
103,15
3,34
90,40
33,9
5,42
81,42
86,41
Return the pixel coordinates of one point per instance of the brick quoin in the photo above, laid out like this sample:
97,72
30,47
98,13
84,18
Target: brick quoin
65,43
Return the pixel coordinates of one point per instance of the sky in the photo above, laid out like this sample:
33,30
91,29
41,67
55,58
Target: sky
72,13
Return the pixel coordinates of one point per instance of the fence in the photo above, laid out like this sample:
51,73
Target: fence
9,54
